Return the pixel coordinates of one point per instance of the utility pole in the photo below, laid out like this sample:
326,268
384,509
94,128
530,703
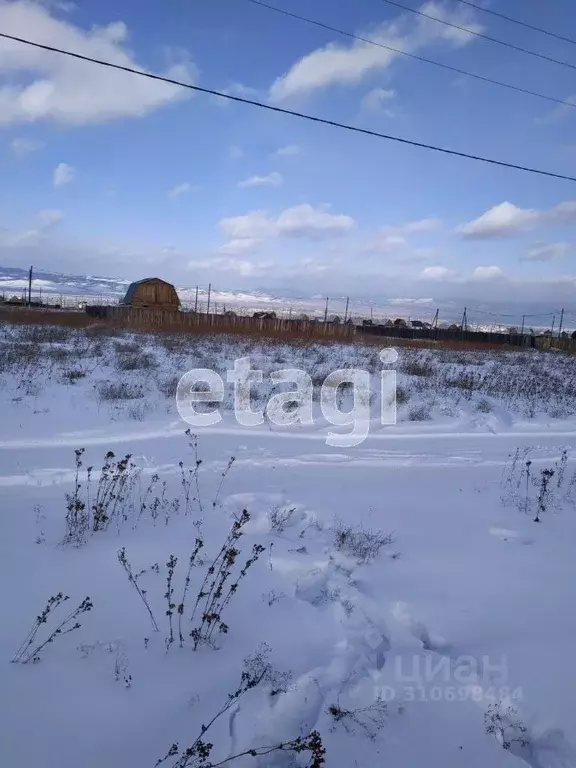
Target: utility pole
371,316
196,301
435,321
346,310
208,304
522,330
553,323
464,320
30,287
561,321
326,311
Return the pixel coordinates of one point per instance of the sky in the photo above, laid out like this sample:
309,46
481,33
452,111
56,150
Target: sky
108,173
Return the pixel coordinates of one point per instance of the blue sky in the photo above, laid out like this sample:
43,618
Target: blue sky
106,173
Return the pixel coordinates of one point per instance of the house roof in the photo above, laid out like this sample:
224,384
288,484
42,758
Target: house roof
132,287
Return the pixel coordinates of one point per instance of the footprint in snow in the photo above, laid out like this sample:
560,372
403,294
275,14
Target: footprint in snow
420,631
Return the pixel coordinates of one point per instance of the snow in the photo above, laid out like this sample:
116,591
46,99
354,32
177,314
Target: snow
469,606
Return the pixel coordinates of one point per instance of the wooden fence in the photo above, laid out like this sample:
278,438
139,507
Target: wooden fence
525,340
178,322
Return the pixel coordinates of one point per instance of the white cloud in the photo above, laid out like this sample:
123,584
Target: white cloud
437,273
547,252
507,219
306,221
181,189
19,238
236,89
421,225
240,245
487,273
63,174
49,217
299,221
375,100
348,64
390,238
560,112
272,180
242,267
288,150
46,86
22,147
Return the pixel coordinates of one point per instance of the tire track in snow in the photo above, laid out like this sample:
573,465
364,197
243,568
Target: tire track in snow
101,438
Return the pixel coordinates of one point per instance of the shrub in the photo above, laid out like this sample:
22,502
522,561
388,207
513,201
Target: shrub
369,719
419,413
505,725
45,334
136,361
217,588
279,517
364,544
402,395
220,583
72,375
168,385
119,390
257,672
31,647
133,578
418,368
92,512
484,406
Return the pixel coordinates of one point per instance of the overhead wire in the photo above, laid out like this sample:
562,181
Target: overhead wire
517,48
518,21
400,52
284,111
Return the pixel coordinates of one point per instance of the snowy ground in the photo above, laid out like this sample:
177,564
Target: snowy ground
400,654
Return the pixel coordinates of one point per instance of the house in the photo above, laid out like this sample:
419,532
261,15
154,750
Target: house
400,323
264,315
151,293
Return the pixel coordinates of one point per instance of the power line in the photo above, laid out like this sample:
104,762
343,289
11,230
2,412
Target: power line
517,21
281,110
479,34
410,55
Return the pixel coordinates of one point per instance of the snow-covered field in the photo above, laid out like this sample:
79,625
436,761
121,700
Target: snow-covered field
399,600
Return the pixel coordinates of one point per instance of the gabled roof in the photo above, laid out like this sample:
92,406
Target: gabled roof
132,287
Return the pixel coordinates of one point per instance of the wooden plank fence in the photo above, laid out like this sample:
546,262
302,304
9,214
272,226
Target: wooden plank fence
178,322
525,340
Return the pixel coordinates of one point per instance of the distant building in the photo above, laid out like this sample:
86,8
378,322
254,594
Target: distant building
400,323
264,315
151,293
